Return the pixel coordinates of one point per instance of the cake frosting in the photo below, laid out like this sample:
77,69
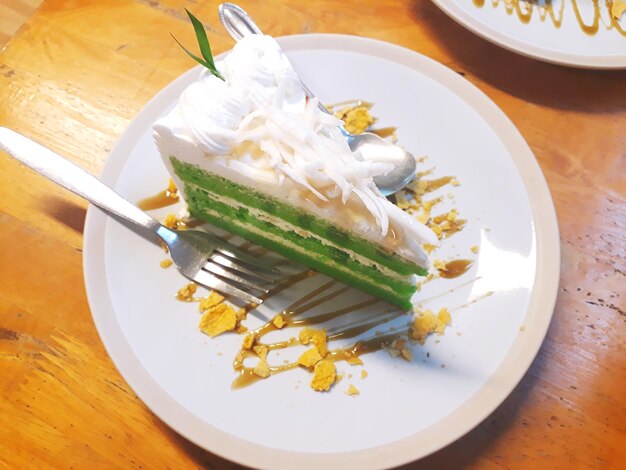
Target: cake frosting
258,127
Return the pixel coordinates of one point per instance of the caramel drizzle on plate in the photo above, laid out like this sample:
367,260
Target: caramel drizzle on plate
524,10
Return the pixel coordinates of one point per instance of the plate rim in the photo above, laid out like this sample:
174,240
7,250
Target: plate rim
471,413
609,62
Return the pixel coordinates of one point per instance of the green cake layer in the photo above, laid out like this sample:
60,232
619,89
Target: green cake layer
298,235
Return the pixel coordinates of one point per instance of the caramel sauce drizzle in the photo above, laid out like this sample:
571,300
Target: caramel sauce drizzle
325,293
524,10
161,199
455,268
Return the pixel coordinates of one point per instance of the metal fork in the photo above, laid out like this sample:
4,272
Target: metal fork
198,255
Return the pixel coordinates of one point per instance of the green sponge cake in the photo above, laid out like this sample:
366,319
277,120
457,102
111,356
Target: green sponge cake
253,155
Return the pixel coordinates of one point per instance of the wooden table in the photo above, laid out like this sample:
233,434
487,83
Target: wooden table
78,72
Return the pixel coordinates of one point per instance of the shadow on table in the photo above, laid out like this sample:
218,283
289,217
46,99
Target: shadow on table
534,81
201,457
65,211
73,215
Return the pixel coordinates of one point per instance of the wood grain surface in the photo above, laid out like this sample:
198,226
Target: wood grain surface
13,14
75,75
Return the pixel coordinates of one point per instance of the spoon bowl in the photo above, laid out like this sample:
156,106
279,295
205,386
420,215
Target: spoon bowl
376,149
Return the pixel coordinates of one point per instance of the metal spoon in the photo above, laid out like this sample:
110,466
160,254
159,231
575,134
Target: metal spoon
372,147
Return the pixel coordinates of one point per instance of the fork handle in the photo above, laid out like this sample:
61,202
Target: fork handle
65,173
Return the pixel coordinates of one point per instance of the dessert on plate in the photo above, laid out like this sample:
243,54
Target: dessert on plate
253,155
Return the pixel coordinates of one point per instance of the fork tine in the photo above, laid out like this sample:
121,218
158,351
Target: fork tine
228,262
209,280
232,275
240,257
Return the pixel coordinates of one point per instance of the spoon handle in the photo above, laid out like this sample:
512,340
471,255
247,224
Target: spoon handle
239,24
236,21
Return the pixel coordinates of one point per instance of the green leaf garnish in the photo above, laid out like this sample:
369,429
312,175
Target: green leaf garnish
203,43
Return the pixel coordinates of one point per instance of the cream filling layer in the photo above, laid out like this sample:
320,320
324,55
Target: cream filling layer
282,241
288,227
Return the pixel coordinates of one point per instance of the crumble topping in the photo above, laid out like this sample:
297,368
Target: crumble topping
324,375
248,341
166,263
210,301
186,293
218,319
317,337
279,321
352,390
618,7
262,369
425,323
357,118
399,349
310,357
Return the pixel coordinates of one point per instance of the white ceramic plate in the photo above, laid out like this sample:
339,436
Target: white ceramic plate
603,46
405,410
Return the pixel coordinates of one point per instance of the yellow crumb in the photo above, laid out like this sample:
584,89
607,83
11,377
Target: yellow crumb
279,321
171,221
324,375
440,265
262,369
186,293
356,119
210,301
426,323
238,361
172,190
363,374
354,361
318,337
248,341
399,348
261,350
618,7
175,222
407,354
428,248
444,318
455,182
218,320
522,328
338,378
166,263
402,201
241,314
352,390
241,329
474,249
309,357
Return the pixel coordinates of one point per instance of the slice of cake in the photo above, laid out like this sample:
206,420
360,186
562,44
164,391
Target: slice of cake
251,154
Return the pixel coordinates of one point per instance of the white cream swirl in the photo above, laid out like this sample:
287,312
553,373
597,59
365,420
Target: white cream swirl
261,105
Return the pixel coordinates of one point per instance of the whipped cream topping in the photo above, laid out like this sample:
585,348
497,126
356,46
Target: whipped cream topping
259,122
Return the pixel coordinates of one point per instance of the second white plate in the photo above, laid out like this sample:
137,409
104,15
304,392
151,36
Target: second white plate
579,33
